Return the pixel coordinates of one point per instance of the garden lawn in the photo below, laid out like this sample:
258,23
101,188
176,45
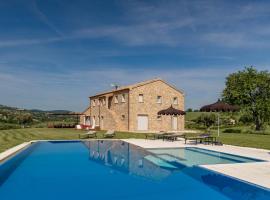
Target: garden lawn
13,137
245,140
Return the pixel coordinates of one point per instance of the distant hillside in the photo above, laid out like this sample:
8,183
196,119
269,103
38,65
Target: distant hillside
12,117
34,110
50,111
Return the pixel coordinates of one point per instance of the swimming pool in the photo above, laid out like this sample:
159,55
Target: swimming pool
117,170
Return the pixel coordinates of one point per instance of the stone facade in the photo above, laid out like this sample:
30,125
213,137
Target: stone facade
86,117
135,107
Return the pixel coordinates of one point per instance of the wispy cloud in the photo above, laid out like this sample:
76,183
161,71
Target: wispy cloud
154,33
57,59
39,89
172,24
23,42
44,18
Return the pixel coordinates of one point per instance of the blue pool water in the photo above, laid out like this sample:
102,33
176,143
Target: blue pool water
100,170
192,156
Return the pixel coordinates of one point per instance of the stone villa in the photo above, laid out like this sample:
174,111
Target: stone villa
135,107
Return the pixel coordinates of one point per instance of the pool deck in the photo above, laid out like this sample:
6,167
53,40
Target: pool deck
257,172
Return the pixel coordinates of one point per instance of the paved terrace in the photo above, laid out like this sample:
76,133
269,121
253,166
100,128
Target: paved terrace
257,172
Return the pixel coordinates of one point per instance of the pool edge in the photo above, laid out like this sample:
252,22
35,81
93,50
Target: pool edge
14,150
240,174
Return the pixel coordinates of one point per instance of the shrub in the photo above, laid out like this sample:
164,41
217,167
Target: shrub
189,110
207,120
232,130
245,119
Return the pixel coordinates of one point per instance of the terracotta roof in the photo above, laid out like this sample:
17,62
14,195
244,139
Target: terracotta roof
129,87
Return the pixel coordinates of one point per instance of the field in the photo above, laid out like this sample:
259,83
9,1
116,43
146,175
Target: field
12,137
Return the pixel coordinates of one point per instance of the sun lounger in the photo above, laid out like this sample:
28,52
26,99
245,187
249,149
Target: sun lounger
109,133
158,135
173,136
202,138
88,134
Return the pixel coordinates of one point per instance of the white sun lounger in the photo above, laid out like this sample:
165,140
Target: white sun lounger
88,134
109,133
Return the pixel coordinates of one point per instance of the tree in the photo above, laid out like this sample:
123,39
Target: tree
250,89
189,110
25,118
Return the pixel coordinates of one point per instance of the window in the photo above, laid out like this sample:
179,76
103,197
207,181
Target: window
94,103
140,98
116,99
159,117
159,99
175,100
123,99
123,117
104,101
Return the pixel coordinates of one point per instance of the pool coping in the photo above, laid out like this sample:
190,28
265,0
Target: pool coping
13,150
232,170
243,172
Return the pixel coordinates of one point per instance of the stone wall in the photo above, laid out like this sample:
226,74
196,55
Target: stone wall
112,115
87,113
122,116
150,107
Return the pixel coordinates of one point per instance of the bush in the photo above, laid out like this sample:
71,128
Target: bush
189,110
232,130
207,120
245,119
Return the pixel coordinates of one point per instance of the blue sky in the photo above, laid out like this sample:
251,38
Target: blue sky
56,53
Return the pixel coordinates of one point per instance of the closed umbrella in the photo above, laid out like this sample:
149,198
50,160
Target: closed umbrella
171,111
218,107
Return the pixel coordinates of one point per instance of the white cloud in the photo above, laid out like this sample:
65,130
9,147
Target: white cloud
173,24
71,90
44,18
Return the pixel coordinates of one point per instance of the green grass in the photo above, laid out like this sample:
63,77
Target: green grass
246,140
12,137
243,139
193,115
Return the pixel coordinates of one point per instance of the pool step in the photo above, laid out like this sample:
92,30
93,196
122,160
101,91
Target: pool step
159,162
172,160
233,158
